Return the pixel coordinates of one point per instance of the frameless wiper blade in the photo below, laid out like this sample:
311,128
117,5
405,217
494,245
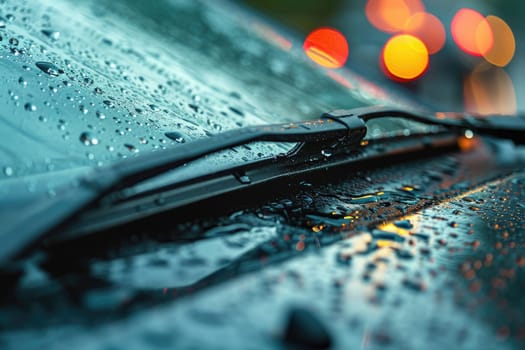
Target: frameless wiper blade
346,128
25,225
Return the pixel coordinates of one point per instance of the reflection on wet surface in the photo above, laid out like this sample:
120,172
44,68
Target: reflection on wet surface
439,251
489,90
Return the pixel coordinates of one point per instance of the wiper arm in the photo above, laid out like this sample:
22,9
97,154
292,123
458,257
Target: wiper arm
343,128
506,127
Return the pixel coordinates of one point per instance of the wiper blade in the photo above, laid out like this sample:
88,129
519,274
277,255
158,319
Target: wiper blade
46,214
339,129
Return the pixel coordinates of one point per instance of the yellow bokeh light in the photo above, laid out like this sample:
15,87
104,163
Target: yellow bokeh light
504,45
405,57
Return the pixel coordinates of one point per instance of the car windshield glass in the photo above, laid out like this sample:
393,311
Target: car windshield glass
117,78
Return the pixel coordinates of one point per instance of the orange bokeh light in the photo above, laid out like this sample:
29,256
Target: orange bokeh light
326,47
472,32
428,28
504,46
489,90
404,58
391,15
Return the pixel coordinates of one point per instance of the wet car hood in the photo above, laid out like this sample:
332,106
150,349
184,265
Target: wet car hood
89,82
422,252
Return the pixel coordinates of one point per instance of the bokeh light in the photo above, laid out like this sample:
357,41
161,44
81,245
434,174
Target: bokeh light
390,16
428,28
405,58
472,32
326,47
489,90
504,45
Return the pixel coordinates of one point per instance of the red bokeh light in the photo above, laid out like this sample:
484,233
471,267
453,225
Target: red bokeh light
327,47
472,32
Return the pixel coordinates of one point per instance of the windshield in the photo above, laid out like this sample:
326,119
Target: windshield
118,78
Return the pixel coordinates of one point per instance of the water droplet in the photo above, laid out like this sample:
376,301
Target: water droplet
389,236
14,41
22,81
88,81
244,179
237,111
131,148
365,199
52,34
109,103
30,107
404,254
326,153
406,224
83,109
318,228
88,139
49,68
195,108
176,136
344,258
408,188
414,284
100,115
8,171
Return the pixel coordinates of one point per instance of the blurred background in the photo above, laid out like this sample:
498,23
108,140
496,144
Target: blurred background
453,54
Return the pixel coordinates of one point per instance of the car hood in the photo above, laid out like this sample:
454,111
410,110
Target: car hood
111,80
384,255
